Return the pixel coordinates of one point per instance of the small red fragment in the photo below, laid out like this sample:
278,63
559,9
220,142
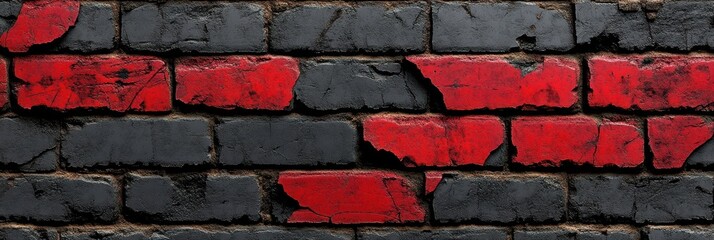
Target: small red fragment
551,141
351,197
39,22
652,83
3,83
493,82
674,138
117,83
431,181
260,83
435,140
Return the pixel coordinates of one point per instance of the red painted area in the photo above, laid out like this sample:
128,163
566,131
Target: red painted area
674,138
491,82
264,83
435,140
431,181
117,83
39,22
3,83
580,140
351,197
652,83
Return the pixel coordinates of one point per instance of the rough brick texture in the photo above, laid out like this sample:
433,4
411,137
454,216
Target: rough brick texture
28,145
583,234
677,141
475,233
39,22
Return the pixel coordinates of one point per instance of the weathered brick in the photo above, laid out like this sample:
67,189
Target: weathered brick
567,234
649,82
41,198
39,22
364,27
579,140
125,142
355,85
677,141
28,145
604,25
674,233
4,98
113,82
19,233
286,141
184,233
500,27
595,198
193,197
440,141
351,197
9,9
502,199
93,31
497,82
193,26
470,233
262,83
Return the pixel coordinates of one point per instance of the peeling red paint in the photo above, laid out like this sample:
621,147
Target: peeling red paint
431,181
3,83
39,22
674,138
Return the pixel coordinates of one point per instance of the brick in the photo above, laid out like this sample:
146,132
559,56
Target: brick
193,197
604,25
651,82
596,198
497,82
55,199
500,27
9,9
94,30
488,199
111,82
28,145
286,142
677,141
672,233
470,233
18,233
40,22
579,140
125,142
364,27
257,83
4,98
351,197
175,26
567,234
356,85
267,233
432,140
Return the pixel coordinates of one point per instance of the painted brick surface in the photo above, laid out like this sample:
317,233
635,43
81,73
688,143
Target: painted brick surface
677,141
564,234
39,22
29,145
437,234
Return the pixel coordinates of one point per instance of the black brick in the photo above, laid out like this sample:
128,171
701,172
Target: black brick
596,198
470,233
93,31
11,233
28,145
259,233
670,233
564,234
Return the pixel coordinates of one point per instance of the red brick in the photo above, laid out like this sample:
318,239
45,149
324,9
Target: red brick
651,82
351,197
494,82
435,140
432,180
674,138
3,83
39,22
580,140
264,83
117,83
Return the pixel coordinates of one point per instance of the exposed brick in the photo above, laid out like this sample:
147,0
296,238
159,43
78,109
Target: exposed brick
497,82
40,22
500,27
9,9
262,83
432,140
673,233
502,199
651,82
604,25
125,142
677,141
193,197
351,197
4,98
18,233
116,83
193,26
595,198
364,27
267,233
94,30
28,145
470,233
355,85
579,140
55,199
567,234
286,142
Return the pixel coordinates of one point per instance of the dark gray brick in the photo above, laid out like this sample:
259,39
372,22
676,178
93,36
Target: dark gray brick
471,233
673,233
258,233
604,24
11,233
9,9
157,142
93,31
499,199
703,156
28,145
684,25
500,27
58,199
286,141
339,28
193,197
194,26
602,198
109,235
566,234
349,84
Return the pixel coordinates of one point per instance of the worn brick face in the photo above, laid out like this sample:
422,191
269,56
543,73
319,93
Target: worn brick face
28,145
678,141
40,22
473,233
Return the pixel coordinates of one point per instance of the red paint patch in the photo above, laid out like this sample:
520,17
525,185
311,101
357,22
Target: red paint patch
351,197
491,82
39,22
3,83
551,141
118,83
652,83
431,181
264,83
435,140
674,138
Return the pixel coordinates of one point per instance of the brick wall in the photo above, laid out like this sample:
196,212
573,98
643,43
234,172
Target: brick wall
364,120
